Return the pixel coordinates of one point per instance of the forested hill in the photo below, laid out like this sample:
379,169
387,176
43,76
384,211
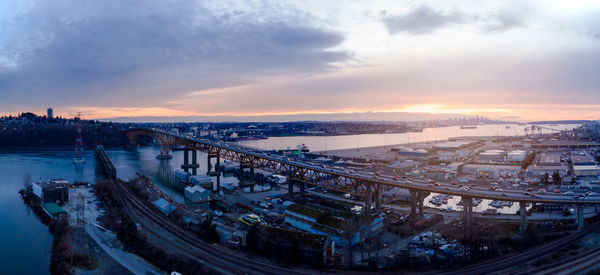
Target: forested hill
28,130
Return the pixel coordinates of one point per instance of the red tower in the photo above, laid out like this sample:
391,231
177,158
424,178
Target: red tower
78,159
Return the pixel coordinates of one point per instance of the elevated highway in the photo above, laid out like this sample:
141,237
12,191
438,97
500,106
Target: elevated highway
364,185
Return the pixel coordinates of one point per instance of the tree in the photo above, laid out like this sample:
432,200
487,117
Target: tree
546,178
556,179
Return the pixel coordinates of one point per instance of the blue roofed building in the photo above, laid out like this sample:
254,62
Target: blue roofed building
346,229
164,206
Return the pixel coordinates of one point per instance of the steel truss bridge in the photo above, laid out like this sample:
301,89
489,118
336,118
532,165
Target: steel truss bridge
358,184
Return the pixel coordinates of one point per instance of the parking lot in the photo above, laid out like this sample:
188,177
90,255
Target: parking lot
93,210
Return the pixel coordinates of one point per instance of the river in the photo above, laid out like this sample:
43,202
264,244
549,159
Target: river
26,241
325,143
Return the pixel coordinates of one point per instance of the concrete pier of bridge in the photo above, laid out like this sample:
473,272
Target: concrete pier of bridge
523,212
468,216
245,181
186,166
216,172
580,216
417,199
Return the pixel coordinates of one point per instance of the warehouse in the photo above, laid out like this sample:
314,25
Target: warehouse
491,171
517,156
549,160
196,194
492,156
409,152
538,171
54,191
586,170
582,160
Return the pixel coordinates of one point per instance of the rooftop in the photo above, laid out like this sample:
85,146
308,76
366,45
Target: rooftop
53,209
304,210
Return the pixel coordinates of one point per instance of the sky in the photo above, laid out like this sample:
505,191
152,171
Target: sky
513,60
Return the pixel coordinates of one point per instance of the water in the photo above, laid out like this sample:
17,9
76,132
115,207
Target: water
26,241
326,143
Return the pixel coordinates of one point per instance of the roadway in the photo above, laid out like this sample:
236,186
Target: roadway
374,179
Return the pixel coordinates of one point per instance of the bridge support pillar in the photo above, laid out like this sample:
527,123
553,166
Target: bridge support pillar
290,188
421,198
523,212
186,166
413,205
302,187
580,216
468,219
378,196
368,200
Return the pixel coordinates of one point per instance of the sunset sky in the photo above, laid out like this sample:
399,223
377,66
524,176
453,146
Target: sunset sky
515,60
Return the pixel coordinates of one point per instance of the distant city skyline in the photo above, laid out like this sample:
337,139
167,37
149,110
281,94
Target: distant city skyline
279,60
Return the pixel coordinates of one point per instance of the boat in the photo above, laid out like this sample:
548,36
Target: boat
178,148
468,127
252,138
303,148
236,137
250,219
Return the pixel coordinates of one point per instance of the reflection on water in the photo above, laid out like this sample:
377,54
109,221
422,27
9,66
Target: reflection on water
324,143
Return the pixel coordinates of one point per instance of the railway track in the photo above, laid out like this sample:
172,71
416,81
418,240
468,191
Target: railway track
516,260
220,257
573,265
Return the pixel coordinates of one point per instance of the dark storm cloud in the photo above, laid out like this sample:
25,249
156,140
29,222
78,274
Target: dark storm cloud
152,50
421,20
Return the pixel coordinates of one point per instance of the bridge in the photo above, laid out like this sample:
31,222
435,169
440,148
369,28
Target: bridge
367,186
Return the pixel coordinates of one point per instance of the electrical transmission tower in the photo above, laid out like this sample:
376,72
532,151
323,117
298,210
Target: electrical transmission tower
78,159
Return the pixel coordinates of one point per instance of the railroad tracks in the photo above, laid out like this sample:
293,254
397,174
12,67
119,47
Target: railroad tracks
579,264
220,257
516,260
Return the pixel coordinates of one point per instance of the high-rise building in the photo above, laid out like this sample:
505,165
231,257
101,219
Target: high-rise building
50,113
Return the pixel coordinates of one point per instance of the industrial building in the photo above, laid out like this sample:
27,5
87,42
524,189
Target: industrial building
54,210
196,194
409,152
549,160
452,145
164,206
586,170
538,171
582,160
516,156
491,171
347,230
492,156
52,191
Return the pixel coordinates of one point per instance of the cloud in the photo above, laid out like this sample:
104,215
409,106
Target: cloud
424,20
115,51
421,20
510,16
